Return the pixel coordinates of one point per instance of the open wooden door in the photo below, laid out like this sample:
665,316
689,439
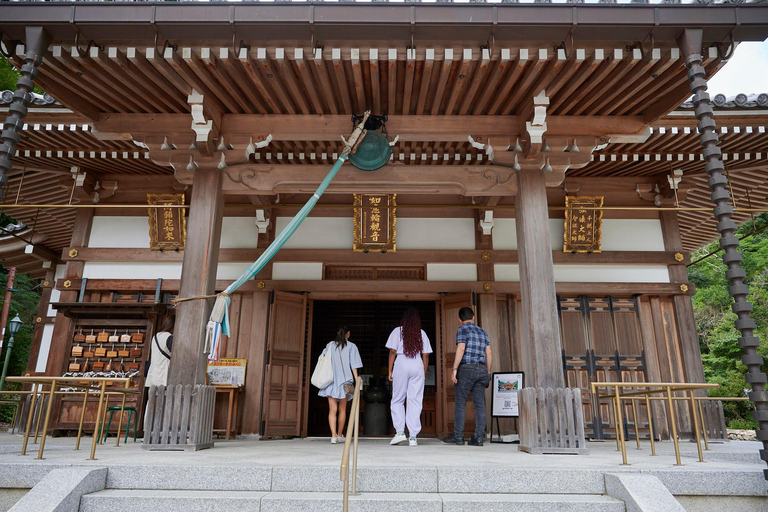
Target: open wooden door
284,372
449,324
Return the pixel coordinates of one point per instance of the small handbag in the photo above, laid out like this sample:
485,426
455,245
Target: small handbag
349,387
322,377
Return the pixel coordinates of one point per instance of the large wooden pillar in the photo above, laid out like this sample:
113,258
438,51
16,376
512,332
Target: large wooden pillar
198,277
540,329
686,325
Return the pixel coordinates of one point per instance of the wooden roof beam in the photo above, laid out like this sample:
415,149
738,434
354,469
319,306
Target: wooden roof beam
331,127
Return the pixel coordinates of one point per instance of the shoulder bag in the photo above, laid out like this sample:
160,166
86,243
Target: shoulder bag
349,388
322,377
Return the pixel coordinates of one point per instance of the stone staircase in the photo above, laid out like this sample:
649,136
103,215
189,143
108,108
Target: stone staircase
382,489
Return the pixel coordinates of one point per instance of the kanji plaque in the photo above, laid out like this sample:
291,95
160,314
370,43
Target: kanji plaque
583,220
374,222
167,226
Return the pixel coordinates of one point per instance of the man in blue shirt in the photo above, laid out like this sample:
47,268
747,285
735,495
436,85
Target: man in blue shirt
471,374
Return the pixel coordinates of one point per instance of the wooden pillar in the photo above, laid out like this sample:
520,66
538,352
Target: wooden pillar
686,325
198,277
540,328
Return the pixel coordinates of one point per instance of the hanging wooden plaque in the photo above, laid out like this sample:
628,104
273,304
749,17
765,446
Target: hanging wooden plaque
375,218
167,226
583,222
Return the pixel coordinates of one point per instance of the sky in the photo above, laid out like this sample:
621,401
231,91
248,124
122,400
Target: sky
746,71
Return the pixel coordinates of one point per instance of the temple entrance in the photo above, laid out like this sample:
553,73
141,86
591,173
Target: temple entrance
370,324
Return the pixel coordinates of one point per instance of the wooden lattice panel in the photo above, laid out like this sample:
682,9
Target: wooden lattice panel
407,273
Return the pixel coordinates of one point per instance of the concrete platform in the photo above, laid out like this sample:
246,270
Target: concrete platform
303,474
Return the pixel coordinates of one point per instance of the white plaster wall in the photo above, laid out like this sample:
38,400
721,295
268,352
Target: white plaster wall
239,233
506,272
617,235
45,348
120,232
131,270
505,235
592,273
319,233
632,235
441,234
139,270
56,294
611,274
451,272
297,271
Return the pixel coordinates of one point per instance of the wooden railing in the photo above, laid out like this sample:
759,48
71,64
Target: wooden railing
353,429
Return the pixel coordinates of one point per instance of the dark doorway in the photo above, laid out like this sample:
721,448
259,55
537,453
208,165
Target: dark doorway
370,324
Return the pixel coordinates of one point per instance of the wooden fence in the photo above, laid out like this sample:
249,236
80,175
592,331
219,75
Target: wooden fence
551,421
179,417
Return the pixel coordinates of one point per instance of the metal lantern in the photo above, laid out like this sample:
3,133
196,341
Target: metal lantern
372,153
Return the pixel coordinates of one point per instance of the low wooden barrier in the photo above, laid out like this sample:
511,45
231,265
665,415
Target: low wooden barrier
179,417
552,421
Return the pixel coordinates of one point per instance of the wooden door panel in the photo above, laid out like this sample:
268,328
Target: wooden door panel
450,323
283,389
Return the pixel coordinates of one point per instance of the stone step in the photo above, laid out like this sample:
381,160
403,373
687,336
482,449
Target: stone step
369,479
113,500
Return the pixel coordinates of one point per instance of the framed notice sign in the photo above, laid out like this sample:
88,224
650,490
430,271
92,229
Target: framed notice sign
227,372
505,389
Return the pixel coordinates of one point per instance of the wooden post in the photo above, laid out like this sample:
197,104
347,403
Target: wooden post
540,328
198,277
686,325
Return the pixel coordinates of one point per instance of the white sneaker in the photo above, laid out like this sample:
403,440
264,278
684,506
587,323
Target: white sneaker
341,439
412,442
399,438
334,440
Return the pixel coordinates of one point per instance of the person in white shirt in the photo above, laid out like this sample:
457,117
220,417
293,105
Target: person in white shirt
409,351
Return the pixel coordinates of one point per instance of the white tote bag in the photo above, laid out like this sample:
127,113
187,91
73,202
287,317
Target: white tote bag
322,377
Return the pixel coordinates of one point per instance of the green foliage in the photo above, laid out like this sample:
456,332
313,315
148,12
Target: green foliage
718,338
24,302
8,75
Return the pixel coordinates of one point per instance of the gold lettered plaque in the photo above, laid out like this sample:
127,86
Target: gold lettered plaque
167,226
583,220
375,222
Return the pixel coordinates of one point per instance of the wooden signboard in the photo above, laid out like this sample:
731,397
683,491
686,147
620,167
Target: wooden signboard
375,222
167,226
583,221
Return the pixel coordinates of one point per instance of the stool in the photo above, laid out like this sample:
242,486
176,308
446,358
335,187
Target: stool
131,413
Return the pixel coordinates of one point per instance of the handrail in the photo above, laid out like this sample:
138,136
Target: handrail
353,429
663,387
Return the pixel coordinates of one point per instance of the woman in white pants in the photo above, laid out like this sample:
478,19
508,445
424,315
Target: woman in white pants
409,351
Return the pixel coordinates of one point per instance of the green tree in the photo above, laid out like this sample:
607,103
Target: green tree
8,75
25,300
718,338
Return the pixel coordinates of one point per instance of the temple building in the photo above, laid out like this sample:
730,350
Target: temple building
538,162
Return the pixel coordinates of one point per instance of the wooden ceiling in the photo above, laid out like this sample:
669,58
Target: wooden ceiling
609,80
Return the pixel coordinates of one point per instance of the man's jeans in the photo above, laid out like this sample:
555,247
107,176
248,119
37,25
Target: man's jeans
472,378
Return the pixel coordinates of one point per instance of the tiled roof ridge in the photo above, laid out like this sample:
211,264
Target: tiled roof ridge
741,100
6,97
